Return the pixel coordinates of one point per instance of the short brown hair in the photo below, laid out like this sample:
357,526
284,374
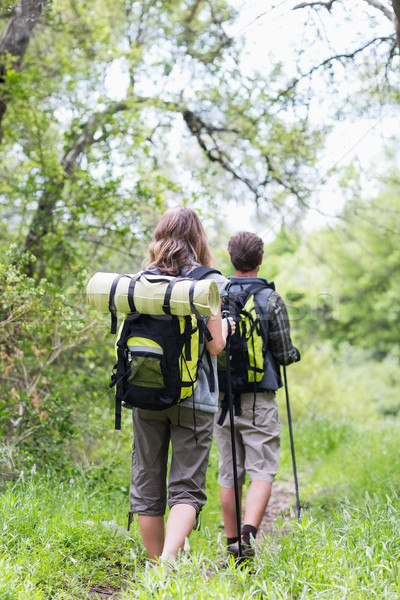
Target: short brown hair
246,250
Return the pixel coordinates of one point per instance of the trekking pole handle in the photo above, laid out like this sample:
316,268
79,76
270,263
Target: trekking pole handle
229,322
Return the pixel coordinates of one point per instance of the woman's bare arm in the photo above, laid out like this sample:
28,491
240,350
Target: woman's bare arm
218,328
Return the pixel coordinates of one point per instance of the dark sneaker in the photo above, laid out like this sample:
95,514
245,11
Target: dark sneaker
233,550
247,553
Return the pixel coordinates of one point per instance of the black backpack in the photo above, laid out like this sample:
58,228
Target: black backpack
248,345
158,356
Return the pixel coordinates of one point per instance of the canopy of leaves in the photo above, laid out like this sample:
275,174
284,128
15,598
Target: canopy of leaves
345,279
99,118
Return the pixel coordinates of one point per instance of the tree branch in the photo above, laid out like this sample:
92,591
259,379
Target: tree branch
15,41
201,131
198,128
382,8
89,134
393,16
327,5
337,57
396,10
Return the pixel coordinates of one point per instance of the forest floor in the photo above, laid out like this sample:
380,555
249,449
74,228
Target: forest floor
282,500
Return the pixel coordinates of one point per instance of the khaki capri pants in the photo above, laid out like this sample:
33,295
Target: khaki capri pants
153,432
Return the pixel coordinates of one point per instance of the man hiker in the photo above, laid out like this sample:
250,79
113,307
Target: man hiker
256,421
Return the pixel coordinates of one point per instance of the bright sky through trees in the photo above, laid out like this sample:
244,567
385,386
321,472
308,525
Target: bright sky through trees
275,32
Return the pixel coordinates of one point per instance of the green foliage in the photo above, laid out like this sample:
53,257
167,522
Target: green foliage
342,281
95,131
362,261
58,540
343,384
345,410
95,147
50,415
38,322
357,467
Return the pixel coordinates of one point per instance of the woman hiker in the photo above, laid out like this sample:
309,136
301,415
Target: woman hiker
180,244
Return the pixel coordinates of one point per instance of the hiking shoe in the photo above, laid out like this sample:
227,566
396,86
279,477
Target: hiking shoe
246,555
233,550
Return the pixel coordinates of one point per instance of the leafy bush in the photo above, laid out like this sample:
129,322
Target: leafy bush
41,331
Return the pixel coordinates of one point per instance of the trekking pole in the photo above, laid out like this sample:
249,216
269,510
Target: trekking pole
232,425
296,485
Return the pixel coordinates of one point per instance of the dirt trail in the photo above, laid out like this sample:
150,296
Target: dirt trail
282,499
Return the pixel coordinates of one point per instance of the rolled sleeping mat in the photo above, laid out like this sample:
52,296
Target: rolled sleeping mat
149,293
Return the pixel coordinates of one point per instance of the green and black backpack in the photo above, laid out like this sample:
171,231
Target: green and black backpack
158,356
246,303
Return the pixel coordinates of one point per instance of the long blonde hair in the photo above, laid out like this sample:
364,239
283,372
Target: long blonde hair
179,239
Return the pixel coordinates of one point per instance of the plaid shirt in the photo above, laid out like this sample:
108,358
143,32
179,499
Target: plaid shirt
280,342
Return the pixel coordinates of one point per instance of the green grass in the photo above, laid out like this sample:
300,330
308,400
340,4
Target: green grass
56,543
56,540
354,555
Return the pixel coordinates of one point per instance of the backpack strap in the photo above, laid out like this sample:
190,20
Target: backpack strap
111,301
168,292
118,376
261,310
255,288
203,329
211,377
211,371
225,408
167,296
131,292
111,304
197,273
188,337
200,272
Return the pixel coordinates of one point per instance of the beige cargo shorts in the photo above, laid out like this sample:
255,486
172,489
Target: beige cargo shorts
257,445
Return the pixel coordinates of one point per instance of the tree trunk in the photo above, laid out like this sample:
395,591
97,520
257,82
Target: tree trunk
396,9
15,41
43,218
